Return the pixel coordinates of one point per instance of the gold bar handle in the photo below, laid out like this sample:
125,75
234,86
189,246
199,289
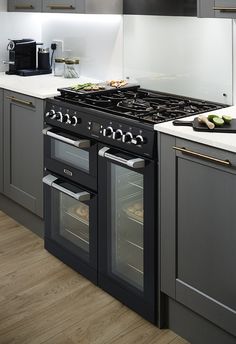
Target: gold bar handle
202,156
61,7
224,9
20,101
24,7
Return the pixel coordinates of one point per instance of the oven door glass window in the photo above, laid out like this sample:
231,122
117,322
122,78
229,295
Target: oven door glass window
71,225
74,221
127,225
70,155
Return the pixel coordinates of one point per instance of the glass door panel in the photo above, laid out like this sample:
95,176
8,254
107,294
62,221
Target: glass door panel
70,155
127,214
74,221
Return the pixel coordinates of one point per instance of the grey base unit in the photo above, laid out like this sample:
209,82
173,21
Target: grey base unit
217,9
194,328
23,216
1,140
23,150
198,236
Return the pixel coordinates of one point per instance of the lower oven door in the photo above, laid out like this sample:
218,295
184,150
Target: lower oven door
127,232
71,225
70,156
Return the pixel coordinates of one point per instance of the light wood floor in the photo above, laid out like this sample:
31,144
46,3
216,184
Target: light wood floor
44,301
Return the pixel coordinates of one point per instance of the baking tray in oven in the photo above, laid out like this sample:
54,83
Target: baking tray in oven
80,213
134,210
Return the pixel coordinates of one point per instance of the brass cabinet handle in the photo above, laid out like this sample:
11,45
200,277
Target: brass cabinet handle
61,7
24,7
224,9
20,101
203,156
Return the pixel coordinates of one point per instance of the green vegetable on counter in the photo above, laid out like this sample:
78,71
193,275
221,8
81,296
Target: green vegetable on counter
218,121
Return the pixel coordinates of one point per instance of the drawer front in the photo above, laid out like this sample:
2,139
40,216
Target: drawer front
210,153
64,6
24,6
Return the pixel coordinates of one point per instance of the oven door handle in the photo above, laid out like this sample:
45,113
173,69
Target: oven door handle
80,196
79,143
134,163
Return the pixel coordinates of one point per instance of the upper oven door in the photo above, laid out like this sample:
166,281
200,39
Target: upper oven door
70,156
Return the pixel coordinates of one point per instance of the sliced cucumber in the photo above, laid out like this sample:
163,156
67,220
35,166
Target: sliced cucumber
227,119
218,121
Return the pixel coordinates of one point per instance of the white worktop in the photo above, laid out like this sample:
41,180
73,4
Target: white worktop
225,141
39,86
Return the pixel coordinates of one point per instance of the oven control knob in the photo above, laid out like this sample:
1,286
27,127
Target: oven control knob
59,116
118,134
108,131
74,120
127,137
138,140
66,118
51,114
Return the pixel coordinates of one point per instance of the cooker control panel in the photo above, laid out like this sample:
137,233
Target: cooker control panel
122,136
99,126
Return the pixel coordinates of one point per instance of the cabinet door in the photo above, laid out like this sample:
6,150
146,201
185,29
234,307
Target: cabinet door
205,8
23,150
1,140
104,6
62,6
225,8
217,8
24,5
161,7
200,271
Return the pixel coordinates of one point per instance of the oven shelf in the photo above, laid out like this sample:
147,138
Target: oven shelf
76,217
77,236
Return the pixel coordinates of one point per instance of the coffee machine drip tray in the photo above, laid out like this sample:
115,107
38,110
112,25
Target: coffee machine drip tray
30,72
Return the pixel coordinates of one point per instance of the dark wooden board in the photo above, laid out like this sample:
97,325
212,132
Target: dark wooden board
226,128
106,90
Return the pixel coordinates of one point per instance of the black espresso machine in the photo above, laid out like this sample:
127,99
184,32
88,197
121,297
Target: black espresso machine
23,58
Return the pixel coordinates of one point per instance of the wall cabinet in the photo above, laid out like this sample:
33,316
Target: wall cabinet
64,6
67,6
161,7
217,8
24,5
198,236
1,140
23,150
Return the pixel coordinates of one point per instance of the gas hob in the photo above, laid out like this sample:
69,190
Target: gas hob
139,104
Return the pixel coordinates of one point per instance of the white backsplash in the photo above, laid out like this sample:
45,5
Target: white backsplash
17,26
187,56
96,39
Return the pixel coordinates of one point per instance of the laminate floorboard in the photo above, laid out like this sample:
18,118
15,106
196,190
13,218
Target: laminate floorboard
44,301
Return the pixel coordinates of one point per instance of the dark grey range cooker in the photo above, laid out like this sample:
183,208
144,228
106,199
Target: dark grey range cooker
101,186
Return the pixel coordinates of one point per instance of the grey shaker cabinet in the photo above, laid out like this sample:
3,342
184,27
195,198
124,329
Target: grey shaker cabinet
1,140
23,150
67,6
63,6
217,9
198,229
24,5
